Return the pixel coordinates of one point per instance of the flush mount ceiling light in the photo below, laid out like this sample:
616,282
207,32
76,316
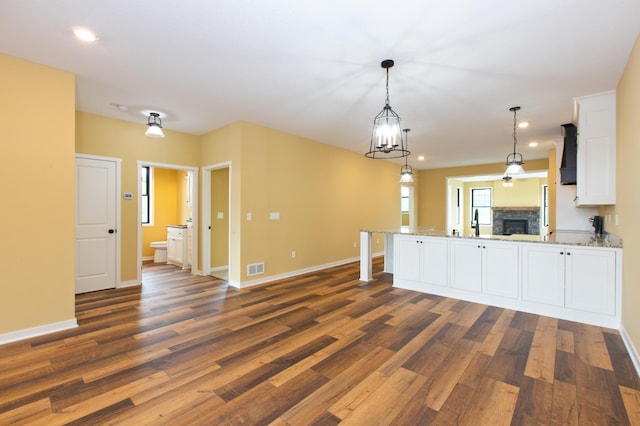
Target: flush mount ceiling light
85,35
386,138
155,126
515,159
406,171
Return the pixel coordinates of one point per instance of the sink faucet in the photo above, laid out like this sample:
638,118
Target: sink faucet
474,223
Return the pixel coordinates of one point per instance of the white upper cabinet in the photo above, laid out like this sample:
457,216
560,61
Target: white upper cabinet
596,162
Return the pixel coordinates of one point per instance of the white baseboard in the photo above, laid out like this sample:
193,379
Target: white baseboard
633,353
145,258
37,331
219,268
245,284
125,284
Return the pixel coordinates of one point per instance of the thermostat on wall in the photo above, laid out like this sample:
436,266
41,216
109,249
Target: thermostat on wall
128,196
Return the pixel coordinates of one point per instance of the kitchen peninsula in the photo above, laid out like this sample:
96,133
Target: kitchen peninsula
571,275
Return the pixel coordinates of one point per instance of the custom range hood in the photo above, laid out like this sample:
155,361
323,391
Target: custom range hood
569,154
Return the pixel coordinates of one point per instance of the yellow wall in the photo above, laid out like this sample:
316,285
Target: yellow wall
219,225
324,195
432,192
627,200
165,207
97,135
37,106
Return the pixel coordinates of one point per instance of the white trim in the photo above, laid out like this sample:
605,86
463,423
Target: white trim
633,352
219,268
194,212
132,283
118,162
290,274
37,331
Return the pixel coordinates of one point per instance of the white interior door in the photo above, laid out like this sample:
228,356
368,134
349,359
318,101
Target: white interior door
95,224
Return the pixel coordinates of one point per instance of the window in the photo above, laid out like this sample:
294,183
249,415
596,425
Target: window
146,196
404,199
545,204
481,200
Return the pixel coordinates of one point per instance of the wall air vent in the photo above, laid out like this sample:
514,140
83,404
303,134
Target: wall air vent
255,269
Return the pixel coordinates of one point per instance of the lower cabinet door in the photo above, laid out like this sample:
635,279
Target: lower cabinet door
466,265
407,257
591,280
542,270
500,270
435,261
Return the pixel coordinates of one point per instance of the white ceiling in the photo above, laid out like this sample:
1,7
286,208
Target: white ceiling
312,68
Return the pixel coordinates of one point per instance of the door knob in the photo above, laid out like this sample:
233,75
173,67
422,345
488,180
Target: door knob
112,231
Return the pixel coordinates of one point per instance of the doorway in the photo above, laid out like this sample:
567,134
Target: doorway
186,210
216,220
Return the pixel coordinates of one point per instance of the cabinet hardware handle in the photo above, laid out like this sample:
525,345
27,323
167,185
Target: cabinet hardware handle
568,254
561,252
478,246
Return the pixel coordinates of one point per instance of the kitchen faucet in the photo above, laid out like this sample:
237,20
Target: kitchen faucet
474,223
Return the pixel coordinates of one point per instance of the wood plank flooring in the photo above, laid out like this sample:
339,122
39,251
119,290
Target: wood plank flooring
318,349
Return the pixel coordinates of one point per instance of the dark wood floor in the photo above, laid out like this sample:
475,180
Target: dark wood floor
322,349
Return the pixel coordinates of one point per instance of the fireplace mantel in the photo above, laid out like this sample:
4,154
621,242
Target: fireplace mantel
517,208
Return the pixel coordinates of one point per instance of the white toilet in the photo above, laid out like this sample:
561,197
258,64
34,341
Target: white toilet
160,255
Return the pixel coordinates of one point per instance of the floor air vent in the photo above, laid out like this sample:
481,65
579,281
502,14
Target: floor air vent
255,269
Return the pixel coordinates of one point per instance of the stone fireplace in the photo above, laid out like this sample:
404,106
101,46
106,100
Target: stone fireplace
516,220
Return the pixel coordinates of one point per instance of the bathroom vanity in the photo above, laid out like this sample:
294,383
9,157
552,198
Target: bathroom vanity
179,245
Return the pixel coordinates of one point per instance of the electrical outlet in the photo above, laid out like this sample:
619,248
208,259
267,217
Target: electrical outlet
293,254
355,244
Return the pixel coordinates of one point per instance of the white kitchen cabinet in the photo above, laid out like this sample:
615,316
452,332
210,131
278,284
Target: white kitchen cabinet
542,269
466,264
485,266
590,280
175,245
420,259
596,158
580,278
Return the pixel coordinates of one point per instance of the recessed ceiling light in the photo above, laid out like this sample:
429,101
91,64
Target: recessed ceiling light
85,35
121,107
533,144
420,157
523,124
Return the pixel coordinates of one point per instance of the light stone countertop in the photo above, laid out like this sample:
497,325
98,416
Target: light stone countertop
575,238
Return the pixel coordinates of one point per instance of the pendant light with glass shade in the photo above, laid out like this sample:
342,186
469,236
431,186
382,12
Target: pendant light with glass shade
386,137
515,159
155,126
406,171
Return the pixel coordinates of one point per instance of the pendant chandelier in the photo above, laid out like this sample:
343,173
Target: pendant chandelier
515,159
406,171
386,138
155,126
507,181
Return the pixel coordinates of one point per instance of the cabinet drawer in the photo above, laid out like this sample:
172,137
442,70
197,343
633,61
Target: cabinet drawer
175,232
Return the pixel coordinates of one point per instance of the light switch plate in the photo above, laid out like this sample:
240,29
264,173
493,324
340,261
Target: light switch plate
274,215
220,215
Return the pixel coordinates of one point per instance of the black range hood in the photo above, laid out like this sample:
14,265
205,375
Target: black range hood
569,155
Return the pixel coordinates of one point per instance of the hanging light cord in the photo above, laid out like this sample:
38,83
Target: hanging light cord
515,140
386,102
